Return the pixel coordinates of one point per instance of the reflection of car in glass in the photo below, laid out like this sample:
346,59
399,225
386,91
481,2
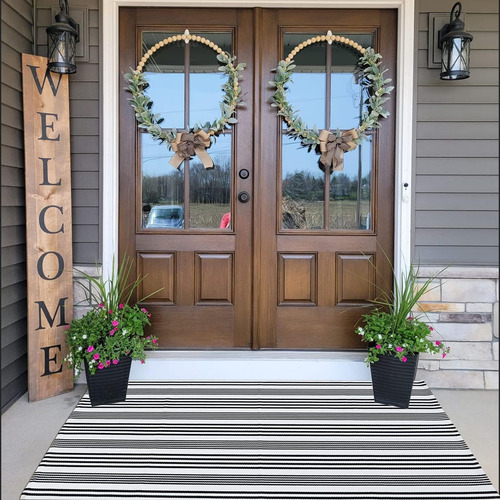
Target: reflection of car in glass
166,216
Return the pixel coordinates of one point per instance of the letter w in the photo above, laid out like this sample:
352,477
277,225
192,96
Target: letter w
48,76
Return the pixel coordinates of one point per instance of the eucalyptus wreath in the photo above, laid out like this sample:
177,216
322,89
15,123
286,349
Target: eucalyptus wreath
200,136
371,78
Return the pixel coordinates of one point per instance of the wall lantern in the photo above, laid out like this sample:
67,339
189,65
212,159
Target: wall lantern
62,37
454,43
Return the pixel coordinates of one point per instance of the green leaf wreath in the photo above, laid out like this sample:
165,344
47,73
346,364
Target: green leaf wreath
151,122
372,80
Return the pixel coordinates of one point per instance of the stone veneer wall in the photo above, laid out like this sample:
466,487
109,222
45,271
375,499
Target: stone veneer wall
463,309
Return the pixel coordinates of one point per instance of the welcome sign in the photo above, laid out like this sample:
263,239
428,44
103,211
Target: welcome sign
48,226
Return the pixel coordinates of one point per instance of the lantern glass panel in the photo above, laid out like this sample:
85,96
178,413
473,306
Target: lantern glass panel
62,50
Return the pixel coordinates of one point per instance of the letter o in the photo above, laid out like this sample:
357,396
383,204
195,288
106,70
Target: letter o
60,266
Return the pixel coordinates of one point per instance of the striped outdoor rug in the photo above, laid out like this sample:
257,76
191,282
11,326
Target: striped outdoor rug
259,441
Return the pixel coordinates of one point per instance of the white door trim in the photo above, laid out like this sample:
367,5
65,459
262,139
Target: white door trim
112,81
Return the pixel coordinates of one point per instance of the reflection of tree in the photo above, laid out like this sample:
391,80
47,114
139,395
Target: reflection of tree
303,186
205,186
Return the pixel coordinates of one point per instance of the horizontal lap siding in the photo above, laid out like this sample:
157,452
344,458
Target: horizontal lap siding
17,37
456,182
84,127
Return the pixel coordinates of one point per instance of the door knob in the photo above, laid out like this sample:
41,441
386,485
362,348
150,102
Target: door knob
244,197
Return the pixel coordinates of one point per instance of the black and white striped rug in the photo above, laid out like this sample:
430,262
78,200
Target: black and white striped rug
206,440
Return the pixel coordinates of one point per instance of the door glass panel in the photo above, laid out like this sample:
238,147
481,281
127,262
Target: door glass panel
303,188
350,190
162,187
347,101
325,93
210,190
185,85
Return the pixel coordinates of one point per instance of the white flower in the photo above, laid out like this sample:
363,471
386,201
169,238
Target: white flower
84,337
421,340
379,336
389,346
80,348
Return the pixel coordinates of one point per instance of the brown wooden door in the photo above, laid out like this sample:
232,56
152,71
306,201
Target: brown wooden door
303,254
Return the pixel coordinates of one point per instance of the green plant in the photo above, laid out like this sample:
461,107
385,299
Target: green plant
113,328
392,328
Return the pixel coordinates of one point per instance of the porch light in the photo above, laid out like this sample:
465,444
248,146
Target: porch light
454,43
62,37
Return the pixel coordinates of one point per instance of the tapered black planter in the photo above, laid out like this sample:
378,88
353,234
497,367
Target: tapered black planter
109,385
392,379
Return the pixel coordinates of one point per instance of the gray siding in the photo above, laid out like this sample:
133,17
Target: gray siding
456,181
84,126
17,37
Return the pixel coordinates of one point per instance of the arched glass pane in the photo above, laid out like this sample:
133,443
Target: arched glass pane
351,190
303,187
205,79
347,101
307,92
162,187
164,71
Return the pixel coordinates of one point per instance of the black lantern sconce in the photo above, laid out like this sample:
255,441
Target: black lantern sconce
454,43
62,37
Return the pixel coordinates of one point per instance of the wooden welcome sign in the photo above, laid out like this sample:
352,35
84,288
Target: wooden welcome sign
48,226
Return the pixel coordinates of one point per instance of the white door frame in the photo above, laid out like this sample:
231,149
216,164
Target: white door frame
112,81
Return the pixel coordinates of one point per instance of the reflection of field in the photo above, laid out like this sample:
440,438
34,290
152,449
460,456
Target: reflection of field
207,215
342,214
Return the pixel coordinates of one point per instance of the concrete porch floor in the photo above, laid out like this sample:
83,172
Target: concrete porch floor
29,428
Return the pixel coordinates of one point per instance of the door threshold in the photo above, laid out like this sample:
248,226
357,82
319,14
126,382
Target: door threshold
252,366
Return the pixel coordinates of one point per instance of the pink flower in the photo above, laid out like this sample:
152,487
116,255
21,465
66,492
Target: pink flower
156,340
108,362
148,337
120,306
410,317
115,323
110,311
403,359
437,342
144,310
115,361
149,315
101,305
90,348
66,327
431,329
100,366
112,332
143,361
444,355
399,349
127,352
96,356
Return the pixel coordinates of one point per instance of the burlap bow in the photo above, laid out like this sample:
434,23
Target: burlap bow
332,148
188,144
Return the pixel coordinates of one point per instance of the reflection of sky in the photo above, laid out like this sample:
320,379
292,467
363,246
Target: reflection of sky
155,156
305,94
297,159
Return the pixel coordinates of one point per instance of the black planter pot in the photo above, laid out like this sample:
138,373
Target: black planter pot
392,379
109,385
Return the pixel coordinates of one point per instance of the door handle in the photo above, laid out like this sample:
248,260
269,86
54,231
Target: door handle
243,197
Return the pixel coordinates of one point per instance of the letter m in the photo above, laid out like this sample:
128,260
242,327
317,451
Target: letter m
46,76
42,308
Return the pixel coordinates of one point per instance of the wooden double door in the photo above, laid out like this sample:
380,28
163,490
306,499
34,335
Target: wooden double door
304,249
